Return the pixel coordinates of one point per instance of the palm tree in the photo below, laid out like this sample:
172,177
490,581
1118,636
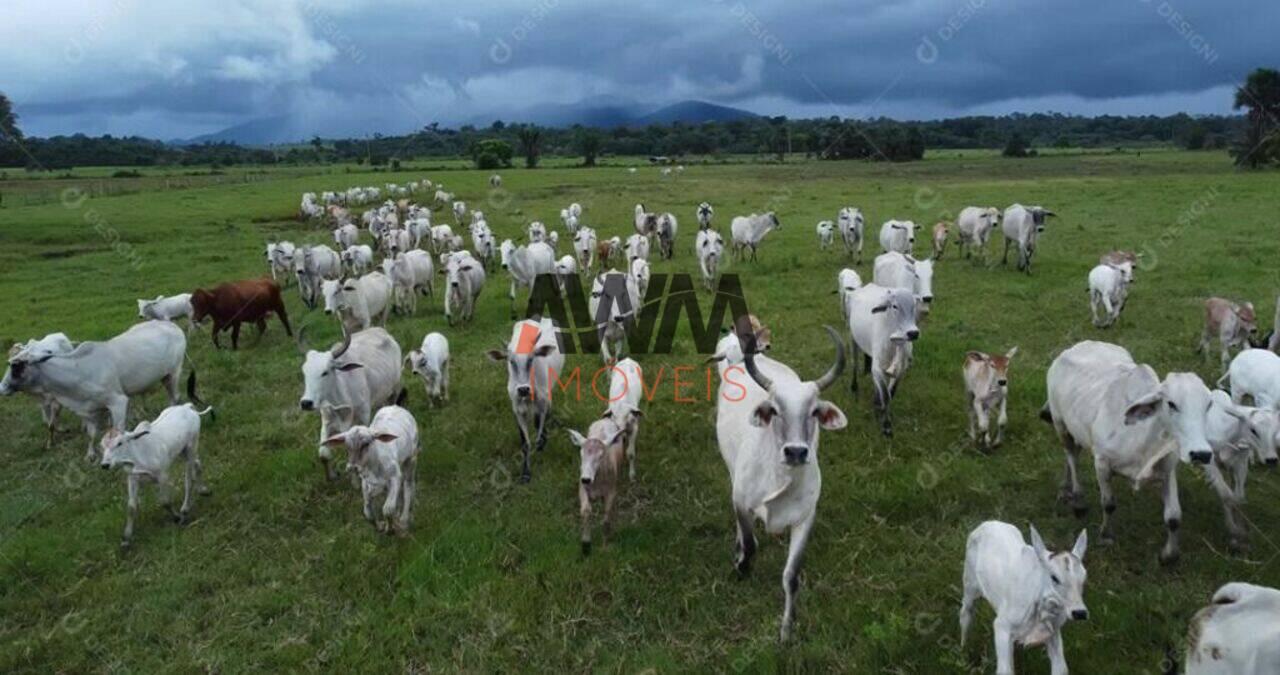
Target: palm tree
530,144
1261,95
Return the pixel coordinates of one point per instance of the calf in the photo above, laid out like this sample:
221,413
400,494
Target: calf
626,384
1033,590
237,302
537,232
534,362
148,452
705,214
710,251
360,302
411,274
1136,426
601,452
1237,434
882,322
615,301
606,249
973,227
852,226
1022,226
1108,291
940,231
986,384
825,231
167,309
584,247
431,363
667,227
898,236
640,276
566,266
385,457
1239,634
1254,373
1234,325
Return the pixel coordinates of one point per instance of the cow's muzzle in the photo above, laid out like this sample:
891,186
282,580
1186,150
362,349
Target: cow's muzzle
1201,456
1079,615
306,404
913,335
1272,462
586,480
522,391
1002,383
795,454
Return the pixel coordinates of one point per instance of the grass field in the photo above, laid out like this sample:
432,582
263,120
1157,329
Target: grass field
279,571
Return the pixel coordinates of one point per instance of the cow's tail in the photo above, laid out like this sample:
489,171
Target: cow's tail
1045,414
1222,380
1170,662
402,397
193,396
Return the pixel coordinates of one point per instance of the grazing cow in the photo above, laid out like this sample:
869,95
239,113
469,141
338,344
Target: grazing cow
359,302
98,377
358,259
620,297
167,309
667,228
53,343
1108,291
986,384
768,427
637,248
280,259
826,234
640,276
646,223
852,226
313,267
1033,590
346,236
895,270
411,274
973,228
1254,373
626,384
1022,226
534,362
940,230
705,214
495,181
710,251
148,452
606,249
537,232
1233,324
526,264
601,456
749,231
1238,634
584,247
465,278
882,322
431,363
1237,434
347,382
898,236
385,456
1136,426
847,281
237,302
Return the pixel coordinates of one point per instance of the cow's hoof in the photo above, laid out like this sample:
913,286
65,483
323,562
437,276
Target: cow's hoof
204,491
1080,510
1238,546
182,518
1168,558
125,545
586,548
524,477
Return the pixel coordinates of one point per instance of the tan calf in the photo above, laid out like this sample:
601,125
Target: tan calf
986,381
602,454
940,238
1233,324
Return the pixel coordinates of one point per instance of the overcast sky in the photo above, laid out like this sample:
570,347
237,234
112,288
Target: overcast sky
173,69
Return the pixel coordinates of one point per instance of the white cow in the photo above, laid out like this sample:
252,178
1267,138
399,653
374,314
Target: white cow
167,309
640,276
566,266
347,382
666,230
705,214
98,377
358,259
1033,591
1136,426
626,386
411,274
465,277
1237,434
749,231
431,363
459,211
852,227
495,181
882,322
898,235
313,267
973,227
346,236
847,281
280,260
826,234
534,362
895,270
584,247
53,343
768,424
441,238
1254,373
1238,634
1022,226
385,456
710,251
637,248
526,264
646,223
360,302
148,452
614,304
1108,291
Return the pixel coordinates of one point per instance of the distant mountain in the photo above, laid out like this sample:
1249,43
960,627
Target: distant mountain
693,112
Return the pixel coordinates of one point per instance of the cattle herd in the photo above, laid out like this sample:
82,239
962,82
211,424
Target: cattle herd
769,419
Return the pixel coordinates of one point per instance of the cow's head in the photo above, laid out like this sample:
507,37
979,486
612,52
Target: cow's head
899,308
1181,404
773,219
455,272
1062,588
603,435
119,448
1248,319
1038,216
145,309
337,294
793,413
202,304
1263,425
23,370
357,440
751,331
321,370
506,250
923,286
520,355
988,373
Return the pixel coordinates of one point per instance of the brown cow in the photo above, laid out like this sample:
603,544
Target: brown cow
986,383
604,251
1233,324
237,302
940,231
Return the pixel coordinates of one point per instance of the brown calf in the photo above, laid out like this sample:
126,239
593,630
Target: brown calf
986,381
940,238
751,332
1232,324
236,302
604,252
603,452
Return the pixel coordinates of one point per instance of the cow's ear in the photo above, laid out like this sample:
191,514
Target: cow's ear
1037,543
1082,543
881,308
348,367
1010,354
544,350
1143,408
336,441
830,416
496,355
577,438
386,438
763,414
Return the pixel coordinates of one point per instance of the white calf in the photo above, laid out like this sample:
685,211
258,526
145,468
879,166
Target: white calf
431,363
385,455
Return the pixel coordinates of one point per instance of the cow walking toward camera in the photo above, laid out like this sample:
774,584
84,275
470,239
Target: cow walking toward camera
431,363
384,456
534,361
986,385
600,463
1022,226
852,229
882,322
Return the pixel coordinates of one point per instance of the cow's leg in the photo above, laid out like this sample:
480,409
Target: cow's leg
1093,307
1226,352
235,335
367,495
972,409
972,591
164,493
1239,471
284,319
1108,310
791,573
1001,421
524,448
1004,647
1238,536
394,486
543,413
49,412
1071,478
984,422
1005,259
410,488
1103,471
217,328
1206,338
188,482
1172,509
853,381
746,544
584,517
606,527
1057,660
130,509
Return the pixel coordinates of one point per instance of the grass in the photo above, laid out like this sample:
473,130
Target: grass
279,571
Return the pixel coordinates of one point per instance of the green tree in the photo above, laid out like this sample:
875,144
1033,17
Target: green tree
589,142
530,138
1016,147
8,120
491,153
1261,96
